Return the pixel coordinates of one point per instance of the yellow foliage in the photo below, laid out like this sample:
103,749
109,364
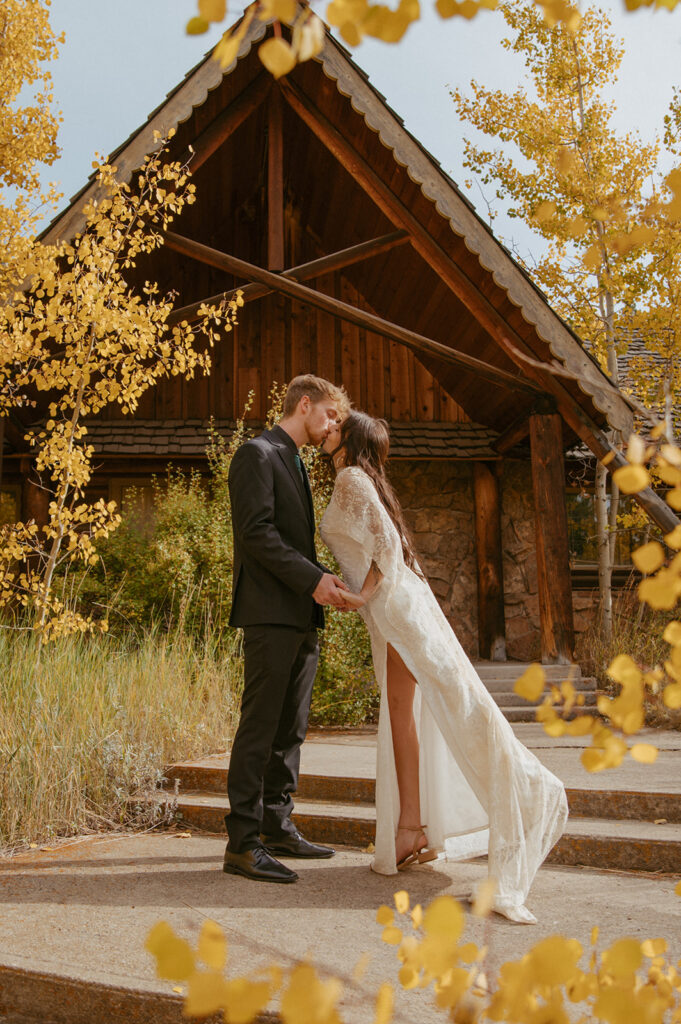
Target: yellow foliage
118,345
212,948
402,901
278,56
308,999
631,479
645,753
531,683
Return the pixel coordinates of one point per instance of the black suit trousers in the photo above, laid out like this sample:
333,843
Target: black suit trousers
280,663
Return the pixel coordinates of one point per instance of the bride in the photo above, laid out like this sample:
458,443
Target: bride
450,774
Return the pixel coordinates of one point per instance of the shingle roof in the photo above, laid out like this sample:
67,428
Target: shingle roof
189,438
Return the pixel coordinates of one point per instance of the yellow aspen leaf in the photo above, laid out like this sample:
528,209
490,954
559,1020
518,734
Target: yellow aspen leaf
669,475
484,897
631,479
600,213
392,935
277,56
545,211
417,916
654,947
196,26
672,633
580,726
453,987
469,952
649,557
553,961
447,8
205,994
677,888
636,449
671,695
408,977
384,1004
613,1004
402,901
444,918
244,1000
308,999
623,958
227,50
624,669
556,727
384,915
212,947
671,453
212,10
351,33
645,753
660,591
674,498
174,956
531,683
593,760
282,10
309,38
592,257
594,934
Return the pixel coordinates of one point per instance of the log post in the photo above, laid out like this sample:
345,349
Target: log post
491,624
553,558
275,183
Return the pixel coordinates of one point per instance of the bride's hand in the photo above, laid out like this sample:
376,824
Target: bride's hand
353,601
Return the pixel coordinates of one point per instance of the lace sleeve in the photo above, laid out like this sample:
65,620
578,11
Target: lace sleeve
366,520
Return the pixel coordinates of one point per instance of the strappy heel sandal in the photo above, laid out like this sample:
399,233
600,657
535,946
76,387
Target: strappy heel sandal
422,856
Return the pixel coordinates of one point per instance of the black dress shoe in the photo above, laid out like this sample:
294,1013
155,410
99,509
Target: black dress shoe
292,844
257,864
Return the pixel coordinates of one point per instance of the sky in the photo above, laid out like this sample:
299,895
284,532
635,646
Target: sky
120,59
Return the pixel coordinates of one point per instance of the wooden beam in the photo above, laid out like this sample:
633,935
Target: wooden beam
304,272
227,122
417,342
275,183
551,530
512,436
488,552
467,292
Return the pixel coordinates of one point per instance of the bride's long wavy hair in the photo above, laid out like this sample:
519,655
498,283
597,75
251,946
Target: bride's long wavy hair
366,443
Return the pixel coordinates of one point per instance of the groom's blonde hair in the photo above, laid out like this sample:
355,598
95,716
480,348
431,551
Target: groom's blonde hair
317,389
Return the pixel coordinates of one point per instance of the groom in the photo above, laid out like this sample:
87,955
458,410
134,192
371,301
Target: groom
278,590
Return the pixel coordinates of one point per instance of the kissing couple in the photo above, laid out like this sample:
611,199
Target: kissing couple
452,780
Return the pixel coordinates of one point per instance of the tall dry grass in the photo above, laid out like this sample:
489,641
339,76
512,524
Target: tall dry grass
88,723
637,631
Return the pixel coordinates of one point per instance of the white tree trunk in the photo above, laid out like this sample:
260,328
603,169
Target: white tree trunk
604,559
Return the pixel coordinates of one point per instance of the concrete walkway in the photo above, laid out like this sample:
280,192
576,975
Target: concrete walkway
81,913
73,919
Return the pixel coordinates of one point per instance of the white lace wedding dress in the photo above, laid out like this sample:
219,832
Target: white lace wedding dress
482,791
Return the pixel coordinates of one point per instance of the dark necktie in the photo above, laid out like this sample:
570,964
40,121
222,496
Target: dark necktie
299,464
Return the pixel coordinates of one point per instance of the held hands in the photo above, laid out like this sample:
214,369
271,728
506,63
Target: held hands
331,590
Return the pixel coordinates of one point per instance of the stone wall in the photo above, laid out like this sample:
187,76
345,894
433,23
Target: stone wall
438,501
437,498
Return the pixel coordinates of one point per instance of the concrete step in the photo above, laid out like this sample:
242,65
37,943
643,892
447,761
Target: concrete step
508,698
624,845
210,781
512,670
504,684
527,712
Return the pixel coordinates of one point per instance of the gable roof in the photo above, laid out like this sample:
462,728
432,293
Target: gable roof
556,340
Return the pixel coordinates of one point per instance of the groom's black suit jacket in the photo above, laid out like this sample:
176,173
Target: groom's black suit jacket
275,563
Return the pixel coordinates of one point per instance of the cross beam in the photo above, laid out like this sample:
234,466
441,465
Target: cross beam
304,272
359,317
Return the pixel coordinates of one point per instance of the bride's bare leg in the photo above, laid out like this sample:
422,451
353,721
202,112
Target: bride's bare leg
400,685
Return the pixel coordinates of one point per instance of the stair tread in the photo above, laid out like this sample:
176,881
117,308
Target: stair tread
620,828
623,828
